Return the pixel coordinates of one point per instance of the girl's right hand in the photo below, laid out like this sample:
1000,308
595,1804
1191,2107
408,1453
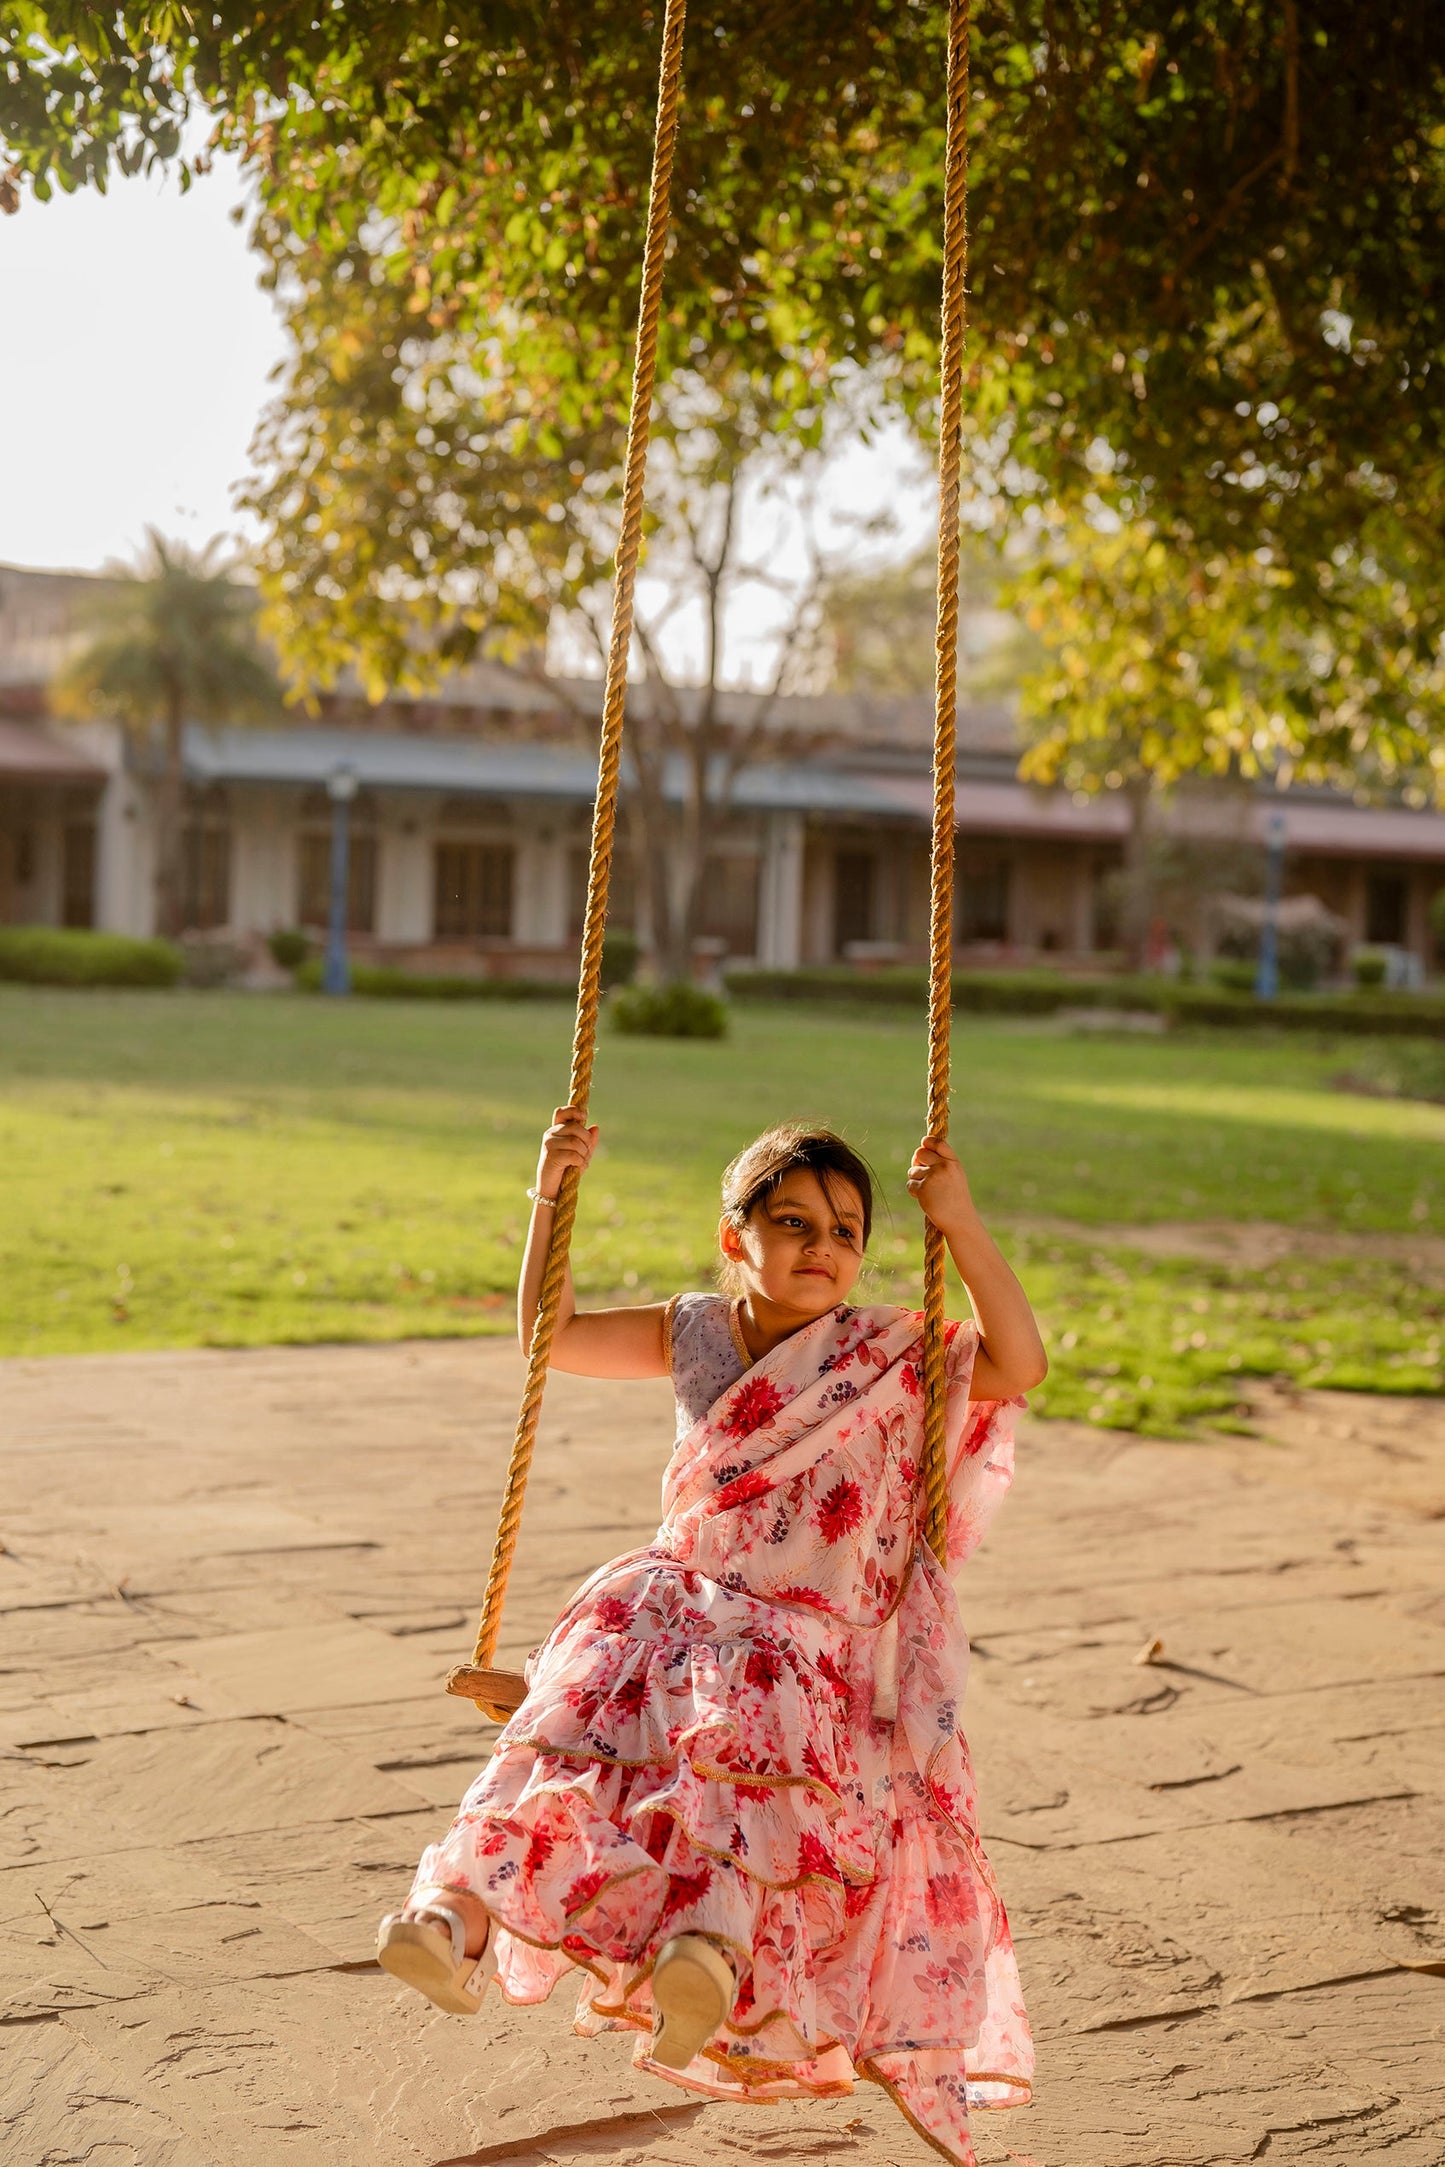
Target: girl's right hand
569,1142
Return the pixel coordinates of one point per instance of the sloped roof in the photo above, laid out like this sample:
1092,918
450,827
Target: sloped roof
30,756
459,766
843,782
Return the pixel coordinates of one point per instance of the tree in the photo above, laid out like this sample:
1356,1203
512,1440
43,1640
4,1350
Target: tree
1161,662
1180,218
172,644
1154,665
421,504
1206,240
716,458
878,625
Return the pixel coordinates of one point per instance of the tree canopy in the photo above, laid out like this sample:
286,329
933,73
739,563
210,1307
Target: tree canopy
1208,232
1208,236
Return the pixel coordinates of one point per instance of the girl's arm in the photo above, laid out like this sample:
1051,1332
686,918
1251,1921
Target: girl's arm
1011,1356
601,1342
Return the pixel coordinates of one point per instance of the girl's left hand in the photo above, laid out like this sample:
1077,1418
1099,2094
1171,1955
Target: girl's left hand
937,1181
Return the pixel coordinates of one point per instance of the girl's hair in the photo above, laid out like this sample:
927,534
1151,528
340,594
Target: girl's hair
792,1147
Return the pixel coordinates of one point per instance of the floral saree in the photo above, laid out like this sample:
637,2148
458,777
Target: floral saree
750,1729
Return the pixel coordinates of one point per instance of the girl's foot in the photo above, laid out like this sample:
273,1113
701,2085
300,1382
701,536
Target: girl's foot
692,1992
425,1946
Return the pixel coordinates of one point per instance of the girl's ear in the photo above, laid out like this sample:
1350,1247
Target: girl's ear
729,1240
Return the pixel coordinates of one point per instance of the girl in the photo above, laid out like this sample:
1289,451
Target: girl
736,1797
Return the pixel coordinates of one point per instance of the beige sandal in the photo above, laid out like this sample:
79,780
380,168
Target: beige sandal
426,1949
692,1993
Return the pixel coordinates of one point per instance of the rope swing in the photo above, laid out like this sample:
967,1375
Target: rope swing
499,1693
954,315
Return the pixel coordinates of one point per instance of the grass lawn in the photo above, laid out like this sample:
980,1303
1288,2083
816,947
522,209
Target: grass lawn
218,1169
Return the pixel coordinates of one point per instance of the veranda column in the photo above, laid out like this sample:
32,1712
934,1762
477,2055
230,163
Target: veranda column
780,900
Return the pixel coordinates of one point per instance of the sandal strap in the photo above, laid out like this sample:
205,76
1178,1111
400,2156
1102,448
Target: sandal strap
451,1920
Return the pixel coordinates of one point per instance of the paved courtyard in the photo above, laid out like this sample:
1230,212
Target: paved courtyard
232,1583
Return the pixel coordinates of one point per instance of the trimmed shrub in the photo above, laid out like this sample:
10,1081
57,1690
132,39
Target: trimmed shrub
675,1011
619,958
1368,967
384,982
289,947
39,955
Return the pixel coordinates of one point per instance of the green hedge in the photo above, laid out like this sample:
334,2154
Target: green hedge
1044,993
383,982
893,987
40,955
1365,1015
1004,993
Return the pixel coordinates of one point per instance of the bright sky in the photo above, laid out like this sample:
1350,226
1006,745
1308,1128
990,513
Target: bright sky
134,365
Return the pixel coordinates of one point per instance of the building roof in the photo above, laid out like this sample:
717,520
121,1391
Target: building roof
460,766
30,756
1326,828
843,783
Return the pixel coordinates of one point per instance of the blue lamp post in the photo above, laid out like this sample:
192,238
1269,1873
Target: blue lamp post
341,789
1266,978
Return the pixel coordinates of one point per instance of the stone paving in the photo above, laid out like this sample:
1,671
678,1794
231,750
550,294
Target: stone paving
231,1584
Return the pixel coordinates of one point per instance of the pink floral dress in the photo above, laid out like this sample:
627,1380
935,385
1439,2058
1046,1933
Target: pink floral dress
715,1740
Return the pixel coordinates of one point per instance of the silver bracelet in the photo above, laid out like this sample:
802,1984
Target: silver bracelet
538,1198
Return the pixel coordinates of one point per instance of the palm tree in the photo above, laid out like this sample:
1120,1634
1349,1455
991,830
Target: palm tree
173,643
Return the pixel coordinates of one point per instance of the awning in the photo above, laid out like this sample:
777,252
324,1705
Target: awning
1358,831
30,756
848,789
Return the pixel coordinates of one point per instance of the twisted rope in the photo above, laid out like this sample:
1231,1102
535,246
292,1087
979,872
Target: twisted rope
498,1693
940,952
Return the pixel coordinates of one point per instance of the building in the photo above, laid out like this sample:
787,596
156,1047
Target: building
469,829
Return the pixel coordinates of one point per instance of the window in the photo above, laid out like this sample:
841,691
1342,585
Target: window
1385,899
474,883
983,899
314,882
77,873
206,862
854,880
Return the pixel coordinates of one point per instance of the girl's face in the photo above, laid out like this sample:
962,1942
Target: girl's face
797,1249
